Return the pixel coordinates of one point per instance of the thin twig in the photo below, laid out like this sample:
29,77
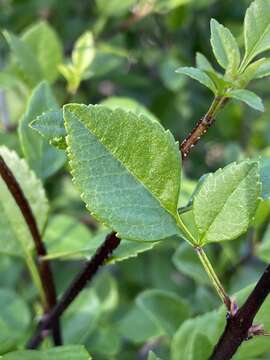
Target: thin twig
78,284
238,327
43,266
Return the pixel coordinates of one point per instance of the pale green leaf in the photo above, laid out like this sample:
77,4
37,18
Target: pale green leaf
128,104
198,75
166,309
72,76
225,47
203,63
226,203
47,48
14,320
15,237
253,71
41,156
72,352
25,58
84,52
50,125
257,29
248,97
124,177
263,70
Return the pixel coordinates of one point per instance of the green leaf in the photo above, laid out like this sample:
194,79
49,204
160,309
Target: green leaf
15,237
14,320
75,352
72,76
198,75
248,97
263,70
127,169
63,229
166,309
226,202
225,47
84,52
251,72
128,104
47,48
25,58
50,125
203,63
256,29
42,157
114,8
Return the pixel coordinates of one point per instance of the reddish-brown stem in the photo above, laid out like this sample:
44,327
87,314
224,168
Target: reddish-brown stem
238,326
202,126
45,272
78,284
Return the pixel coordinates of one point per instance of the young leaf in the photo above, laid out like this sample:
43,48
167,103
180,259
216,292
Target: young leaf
263,70
127,169
198,75
225,47
226,203
248,97
203,64
42,157
15,237
14,320
47,48
25,58
50,125
256,29
251,72
84,52
71,352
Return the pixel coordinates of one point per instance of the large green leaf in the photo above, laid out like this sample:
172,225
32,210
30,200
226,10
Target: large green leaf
226,202
127,169
47,48
14,320
75,352
225,47
15,237
257,29
41,156
25,59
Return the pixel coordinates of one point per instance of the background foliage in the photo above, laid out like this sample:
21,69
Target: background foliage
160,300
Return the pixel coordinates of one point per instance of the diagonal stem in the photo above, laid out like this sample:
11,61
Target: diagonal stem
45,272
202,126
237,327
78,284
